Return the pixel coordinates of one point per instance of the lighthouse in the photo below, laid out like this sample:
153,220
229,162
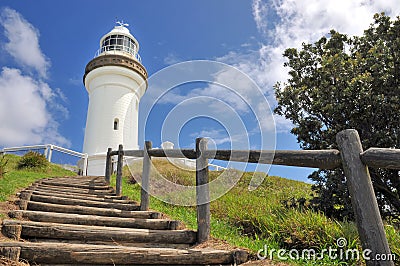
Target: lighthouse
115,81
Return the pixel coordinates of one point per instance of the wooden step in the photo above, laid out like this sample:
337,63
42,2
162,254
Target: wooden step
73,193
50,207
72,183
79,219
100,198
101,242
76,182
69,183
81,254
82,182
54,183
80,177
84,233
76,190
81,202
110,196
77,178
49,186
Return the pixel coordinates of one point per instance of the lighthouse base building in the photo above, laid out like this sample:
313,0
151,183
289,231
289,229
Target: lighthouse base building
115,81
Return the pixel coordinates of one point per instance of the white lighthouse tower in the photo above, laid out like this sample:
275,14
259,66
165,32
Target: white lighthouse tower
115,80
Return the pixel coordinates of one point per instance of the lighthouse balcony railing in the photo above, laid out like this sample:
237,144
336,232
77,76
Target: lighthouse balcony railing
118,49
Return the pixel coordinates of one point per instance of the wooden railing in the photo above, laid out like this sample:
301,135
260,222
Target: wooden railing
351,157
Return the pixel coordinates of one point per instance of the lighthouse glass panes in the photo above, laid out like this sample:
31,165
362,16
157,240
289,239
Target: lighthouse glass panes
118,43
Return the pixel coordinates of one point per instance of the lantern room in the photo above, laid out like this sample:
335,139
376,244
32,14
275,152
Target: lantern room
119,41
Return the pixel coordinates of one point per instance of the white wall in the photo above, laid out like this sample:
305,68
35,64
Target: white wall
114,92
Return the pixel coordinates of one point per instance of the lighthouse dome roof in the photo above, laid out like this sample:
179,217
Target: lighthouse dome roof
121,29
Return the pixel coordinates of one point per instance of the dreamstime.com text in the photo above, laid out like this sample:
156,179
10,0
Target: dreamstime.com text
340,252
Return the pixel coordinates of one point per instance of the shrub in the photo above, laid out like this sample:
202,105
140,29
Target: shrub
3,164
33,160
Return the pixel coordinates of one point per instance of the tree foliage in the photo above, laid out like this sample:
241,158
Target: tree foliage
343,82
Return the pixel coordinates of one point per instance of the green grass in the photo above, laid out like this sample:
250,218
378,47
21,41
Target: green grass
16,179
252,219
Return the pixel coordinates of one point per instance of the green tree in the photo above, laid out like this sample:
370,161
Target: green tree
343,82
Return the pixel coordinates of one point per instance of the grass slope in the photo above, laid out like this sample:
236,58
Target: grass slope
259,218
16,179
13,181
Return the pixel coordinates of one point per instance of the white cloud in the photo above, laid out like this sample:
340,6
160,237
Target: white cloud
24,118
171,59
217,136
23,42
282,125
299,21
283,24
260,11
61,95
232,95
28,105
308,20
75,81
227,95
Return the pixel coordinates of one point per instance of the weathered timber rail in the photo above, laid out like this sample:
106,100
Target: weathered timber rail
351,157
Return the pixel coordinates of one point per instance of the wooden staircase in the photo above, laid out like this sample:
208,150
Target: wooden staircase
80,221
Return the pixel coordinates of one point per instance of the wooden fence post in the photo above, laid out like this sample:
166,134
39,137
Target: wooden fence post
120,164
144,196
202,192
369,221
107,175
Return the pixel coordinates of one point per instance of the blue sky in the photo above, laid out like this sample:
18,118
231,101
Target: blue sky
46,44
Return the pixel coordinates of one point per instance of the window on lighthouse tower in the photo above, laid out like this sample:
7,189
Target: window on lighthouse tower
116,122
